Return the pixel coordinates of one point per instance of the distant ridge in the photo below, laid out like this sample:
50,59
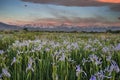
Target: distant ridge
4,26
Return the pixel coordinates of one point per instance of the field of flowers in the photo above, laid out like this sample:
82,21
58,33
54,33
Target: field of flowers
59,56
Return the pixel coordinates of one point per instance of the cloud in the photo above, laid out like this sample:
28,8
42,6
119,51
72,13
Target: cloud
76,2
72,20
62,16
118,18
113,4
109,1
115,7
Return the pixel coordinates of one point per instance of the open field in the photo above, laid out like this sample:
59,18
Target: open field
59,56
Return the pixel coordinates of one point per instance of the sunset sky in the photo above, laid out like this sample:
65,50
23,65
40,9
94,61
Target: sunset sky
56,12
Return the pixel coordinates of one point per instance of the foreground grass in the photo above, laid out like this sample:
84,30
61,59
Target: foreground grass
59,56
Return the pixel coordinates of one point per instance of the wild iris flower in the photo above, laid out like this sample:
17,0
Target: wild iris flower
1,51
93,77
117,47
14,60
5,73
30,62
79,70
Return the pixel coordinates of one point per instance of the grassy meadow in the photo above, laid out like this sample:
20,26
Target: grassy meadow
59,56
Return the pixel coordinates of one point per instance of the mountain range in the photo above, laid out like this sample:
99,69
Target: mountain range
4,26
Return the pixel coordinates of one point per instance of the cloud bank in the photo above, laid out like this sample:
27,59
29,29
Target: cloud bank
76,2
113,4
